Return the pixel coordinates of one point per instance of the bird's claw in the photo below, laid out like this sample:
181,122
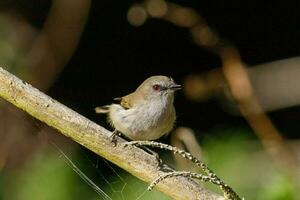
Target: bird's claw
113,137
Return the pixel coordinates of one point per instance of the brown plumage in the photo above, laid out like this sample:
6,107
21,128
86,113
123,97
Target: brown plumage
147,113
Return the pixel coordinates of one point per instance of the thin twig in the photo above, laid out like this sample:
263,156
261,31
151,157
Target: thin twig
229,193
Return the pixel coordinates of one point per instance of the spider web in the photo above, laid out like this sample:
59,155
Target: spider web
109,182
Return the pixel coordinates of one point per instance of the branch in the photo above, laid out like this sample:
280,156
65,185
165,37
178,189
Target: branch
96,138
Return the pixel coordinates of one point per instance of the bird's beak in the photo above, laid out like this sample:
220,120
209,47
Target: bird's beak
174,87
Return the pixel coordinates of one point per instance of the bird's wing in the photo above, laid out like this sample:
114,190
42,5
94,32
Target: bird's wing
124,101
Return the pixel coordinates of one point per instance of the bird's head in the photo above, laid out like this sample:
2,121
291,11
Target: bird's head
158,88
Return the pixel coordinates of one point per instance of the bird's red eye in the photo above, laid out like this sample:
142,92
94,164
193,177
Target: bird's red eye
156,87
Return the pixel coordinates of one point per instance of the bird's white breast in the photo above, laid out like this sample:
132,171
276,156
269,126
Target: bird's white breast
148,121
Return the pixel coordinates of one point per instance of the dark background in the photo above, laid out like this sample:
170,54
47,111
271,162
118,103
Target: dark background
113,57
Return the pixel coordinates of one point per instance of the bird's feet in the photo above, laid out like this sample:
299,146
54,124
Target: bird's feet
113,137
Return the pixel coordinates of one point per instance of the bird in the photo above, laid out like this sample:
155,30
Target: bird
146,114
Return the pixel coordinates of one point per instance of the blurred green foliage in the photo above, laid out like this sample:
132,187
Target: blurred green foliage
45,177
242,163
237,158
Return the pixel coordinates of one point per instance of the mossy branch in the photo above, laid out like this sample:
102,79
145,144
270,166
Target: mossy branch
96,138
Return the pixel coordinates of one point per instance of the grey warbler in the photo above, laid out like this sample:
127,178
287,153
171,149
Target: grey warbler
146,114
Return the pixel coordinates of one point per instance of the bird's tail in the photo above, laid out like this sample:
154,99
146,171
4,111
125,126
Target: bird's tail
102,109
